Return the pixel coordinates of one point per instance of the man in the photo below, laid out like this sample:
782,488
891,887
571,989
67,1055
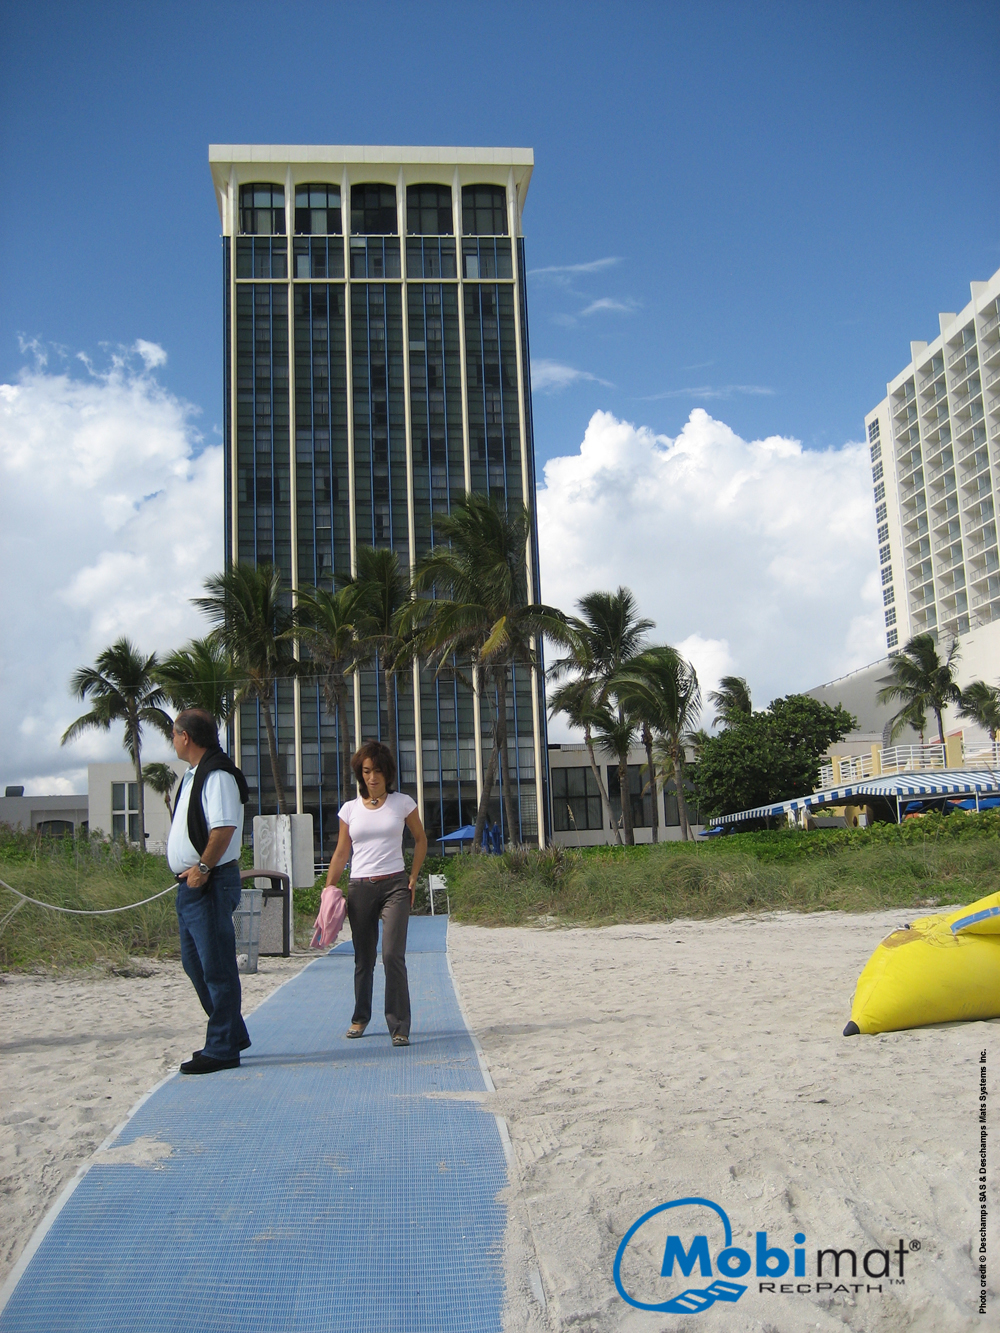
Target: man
203,851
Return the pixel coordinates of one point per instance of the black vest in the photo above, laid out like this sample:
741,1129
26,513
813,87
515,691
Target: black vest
197,824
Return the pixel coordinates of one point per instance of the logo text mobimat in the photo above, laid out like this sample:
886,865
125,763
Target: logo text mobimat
683,1256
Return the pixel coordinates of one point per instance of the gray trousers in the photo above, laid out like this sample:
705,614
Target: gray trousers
367,900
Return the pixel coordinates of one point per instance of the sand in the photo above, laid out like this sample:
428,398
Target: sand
633,1065
640,1064
76,1053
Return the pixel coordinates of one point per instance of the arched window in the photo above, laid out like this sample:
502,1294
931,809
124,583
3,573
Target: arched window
373,210
54,828
317,210
484,210
262,209
428,210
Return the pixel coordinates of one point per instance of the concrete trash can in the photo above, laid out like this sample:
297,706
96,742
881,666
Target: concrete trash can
246,923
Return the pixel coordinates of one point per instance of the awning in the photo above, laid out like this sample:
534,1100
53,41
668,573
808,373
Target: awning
896,786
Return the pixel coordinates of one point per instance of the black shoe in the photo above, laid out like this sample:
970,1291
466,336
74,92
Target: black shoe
204,1064
243,1047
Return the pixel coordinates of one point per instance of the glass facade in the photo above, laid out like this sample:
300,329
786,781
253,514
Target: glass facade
370,378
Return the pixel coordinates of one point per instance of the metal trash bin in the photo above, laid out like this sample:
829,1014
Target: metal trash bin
246,923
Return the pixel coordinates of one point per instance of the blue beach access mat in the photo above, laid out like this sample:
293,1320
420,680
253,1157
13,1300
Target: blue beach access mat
326,1184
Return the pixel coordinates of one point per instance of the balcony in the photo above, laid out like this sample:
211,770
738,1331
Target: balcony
992,323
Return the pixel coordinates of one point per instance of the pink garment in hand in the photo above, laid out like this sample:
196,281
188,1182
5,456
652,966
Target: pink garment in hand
329,923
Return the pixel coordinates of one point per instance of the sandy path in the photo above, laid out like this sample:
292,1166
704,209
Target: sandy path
76,1053
639,1064
634,1065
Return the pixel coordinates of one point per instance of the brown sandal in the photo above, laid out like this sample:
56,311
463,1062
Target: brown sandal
356,1030
400,1040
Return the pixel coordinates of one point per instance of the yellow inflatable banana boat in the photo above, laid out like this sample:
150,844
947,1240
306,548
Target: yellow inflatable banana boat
939,969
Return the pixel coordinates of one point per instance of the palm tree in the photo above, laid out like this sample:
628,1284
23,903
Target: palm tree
981,704
381,596
608,632
732,699
922,682
122,687
162,779
201,675
662,688
481,611
246,606
325,624
575,700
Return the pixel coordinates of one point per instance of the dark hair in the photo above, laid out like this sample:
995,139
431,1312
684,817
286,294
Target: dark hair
382,761
199,726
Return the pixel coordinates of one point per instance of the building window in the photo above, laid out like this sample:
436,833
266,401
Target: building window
576,800
890,617
125,810
888,596
373,210
54,828
876,452
317,210
642,805
892,638
883,532
880,492
877,472
262,210
428,210
886,574
881,514
873,431
883,555
484,210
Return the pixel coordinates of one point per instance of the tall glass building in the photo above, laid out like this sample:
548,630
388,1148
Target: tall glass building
376,370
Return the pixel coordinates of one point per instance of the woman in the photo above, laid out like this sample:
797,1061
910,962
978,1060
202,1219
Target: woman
371,838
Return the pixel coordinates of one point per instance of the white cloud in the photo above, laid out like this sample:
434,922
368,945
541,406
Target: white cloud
550,376
755,558
152,354
590,266
609,305
707,391
111,520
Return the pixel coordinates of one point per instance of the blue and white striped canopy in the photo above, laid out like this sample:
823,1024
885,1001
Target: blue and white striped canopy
940,782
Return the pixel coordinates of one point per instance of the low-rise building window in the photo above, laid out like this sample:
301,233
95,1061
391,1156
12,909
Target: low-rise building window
576,800
125,810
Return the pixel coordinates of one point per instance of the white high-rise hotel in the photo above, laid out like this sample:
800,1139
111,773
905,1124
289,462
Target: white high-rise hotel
935,454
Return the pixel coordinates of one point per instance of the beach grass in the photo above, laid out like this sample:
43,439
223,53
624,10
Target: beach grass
85,874
918,865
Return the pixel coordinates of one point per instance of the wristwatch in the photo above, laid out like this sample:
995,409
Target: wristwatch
205,870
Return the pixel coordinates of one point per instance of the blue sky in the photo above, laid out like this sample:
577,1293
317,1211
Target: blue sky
740,216
789,193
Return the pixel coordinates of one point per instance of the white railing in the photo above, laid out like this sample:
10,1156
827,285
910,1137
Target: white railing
978,753
912,758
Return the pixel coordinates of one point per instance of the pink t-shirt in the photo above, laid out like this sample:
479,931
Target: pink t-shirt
377,835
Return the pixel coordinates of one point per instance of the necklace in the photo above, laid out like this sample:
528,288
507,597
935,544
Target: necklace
375,801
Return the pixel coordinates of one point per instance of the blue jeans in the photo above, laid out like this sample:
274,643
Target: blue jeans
208,955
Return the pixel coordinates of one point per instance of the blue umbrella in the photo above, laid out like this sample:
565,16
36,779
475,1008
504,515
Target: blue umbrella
464,834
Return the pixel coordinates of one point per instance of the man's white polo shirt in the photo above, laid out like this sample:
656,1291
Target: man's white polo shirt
220,799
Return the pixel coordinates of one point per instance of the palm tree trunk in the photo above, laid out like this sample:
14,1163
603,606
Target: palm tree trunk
513,831
940,722
272,750
390,708
682,810
345,740
488,780
605,800
626,800
137,760
647,740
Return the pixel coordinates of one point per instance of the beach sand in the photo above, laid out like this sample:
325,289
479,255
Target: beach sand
639,1064
633,1065
77,1052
